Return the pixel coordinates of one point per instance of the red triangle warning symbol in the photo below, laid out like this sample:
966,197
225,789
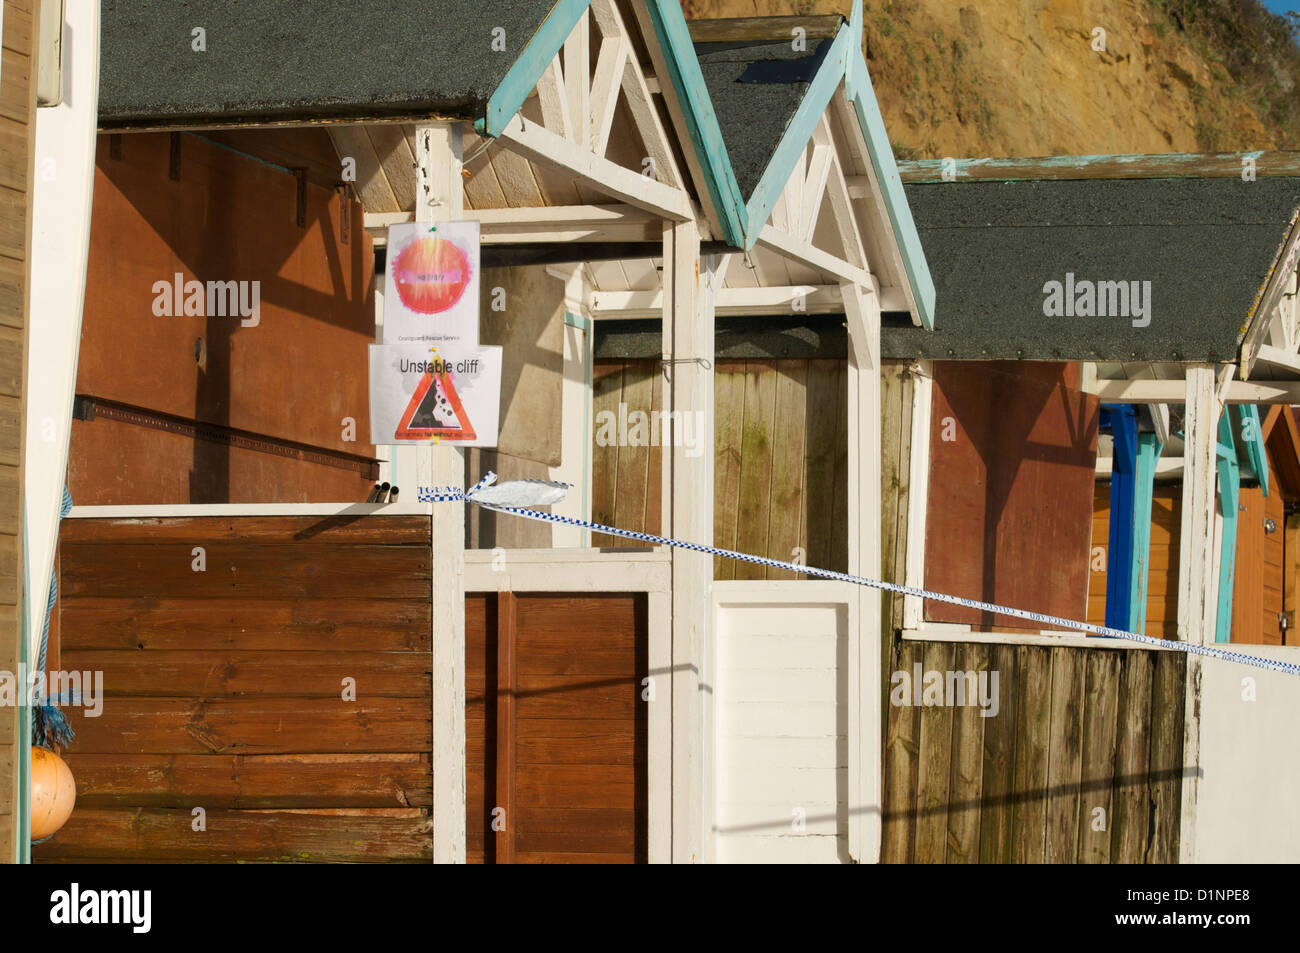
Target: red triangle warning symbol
435,410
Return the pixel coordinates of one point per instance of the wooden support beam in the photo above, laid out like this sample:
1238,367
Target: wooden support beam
577,81
918,492
610,65
688,343
787,300
439,197
1171,392
1271,356
864,527
1195,572
554,102
819,171
547,224
638,89
541,145
846,221
812,256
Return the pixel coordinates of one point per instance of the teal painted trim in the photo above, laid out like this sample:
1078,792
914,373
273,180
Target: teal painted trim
891,185
577,321
1144,482
684,73
528,67
1248,428
789,151
1229,488
851,66
1170,165
22,815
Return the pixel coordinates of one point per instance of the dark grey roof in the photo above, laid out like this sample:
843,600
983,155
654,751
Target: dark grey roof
756,87
269,59
1206,246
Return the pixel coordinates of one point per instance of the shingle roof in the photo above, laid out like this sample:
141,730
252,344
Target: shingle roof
1206,246
286,58
756,88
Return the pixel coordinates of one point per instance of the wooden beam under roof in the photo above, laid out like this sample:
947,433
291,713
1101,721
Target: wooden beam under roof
1222,165
763,29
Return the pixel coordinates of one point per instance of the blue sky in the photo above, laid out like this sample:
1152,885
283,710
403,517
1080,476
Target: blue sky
1282,6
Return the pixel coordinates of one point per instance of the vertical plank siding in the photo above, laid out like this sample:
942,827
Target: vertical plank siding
224,689
1082,762
780,443
556,728
18,124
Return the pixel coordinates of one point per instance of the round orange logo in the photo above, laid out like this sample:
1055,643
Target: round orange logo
431,275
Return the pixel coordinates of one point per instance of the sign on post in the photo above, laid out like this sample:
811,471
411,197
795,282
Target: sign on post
421,393
430,381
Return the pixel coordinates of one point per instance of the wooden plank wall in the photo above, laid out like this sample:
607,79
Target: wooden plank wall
1013,453
17,135
556,730
224,689
781,460
1162,579
299,374
1076,730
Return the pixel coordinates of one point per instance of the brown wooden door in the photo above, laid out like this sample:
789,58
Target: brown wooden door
1257,601
556,728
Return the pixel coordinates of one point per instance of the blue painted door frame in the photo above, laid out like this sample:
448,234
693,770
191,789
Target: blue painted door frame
1121,420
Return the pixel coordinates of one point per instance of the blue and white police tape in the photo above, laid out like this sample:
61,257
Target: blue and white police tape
516,496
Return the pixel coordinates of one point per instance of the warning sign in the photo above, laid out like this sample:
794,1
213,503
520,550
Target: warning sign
435,410
422,394
431,288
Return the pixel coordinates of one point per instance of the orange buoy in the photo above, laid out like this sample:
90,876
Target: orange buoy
53,792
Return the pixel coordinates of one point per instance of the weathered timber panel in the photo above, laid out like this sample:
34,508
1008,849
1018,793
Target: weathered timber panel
1012,465
222,217
556,730
17,154
780,449
1082,761
225,687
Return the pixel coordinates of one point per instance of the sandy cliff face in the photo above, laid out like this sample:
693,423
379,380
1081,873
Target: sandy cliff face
1022,77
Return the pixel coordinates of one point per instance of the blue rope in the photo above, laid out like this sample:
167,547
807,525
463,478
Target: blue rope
451,494
50,727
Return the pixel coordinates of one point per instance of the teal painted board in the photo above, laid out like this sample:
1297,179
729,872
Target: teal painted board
1248,431
790,150
527,70
674,38
1144,482
1140,166
891,185
1229,487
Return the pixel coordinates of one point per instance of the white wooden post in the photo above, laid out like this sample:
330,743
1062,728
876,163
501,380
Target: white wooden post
688,515
918,493
1195,567
439,198
865,797
575,413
